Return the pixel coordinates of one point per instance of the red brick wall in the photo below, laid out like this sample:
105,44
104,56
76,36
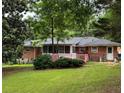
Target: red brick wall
96,56
101,53
38,51
28,53
84,57
115,52
93,56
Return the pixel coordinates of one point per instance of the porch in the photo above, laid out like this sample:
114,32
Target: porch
67,51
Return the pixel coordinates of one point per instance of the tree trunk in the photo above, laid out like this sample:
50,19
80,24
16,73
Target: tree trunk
52,36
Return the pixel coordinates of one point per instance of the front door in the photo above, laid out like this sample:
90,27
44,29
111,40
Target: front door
109,53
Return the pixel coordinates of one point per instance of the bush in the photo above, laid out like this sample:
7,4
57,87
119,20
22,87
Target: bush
61,63
77,63
42,62
66,63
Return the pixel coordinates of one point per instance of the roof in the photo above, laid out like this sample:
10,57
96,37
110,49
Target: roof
92,41
71,41
79,41
33,43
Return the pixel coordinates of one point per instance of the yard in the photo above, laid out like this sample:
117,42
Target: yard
91,78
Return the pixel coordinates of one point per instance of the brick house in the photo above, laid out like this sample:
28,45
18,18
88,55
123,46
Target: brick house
86,48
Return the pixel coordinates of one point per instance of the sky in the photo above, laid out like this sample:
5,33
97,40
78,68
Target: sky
28,14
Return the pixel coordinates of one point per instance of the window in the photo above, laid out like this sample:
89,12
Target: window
45,49
109,49
67,49
28,49
56,49
94,49
61,49
82,50
50,49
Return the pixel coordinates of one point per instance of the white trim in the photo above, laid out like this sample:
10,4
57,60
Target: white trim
107,53
73,54
64,49
71,49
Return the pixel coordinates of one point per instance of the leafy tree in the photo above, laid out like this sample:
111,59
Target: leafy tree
14,28
109,25
83,11
54,18
49,20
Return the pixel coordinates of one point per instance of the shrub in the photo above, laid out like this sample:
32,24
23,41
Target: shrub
42,62
77,62
61,63
66,63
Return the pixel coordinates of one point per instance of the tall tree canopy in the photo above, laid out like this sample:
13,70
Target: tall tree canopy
109,25
59,16
14,29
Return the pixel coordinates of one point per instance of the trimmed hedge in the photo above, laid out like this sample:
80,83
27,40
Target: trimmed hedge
45,61
42,62
67,63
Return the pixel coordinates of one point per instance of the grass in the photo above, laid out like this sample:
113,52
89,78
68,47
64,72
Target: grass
16,65
92,78
15,68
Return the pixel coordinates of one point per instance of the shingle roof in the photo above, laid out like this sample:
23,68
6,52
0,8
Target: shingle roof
92,41
81,41
33,43
70,41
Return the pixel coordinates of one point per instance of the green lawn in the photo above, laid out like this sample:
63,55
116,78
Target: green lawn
16,65
92,78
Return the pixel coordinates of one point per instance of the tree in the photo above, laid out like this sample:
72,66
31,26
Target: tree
14,28
83,11
109,25
54,18
50,19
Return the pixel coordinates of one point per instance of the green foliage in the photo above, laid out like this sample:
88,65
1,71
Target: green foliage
14,30
42,62
57,19
62,63
109,25
16,65
54,18
67,63
77,63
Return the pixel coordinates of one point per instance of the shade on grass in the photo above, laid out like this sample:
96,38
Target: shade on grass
92,78
17,65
